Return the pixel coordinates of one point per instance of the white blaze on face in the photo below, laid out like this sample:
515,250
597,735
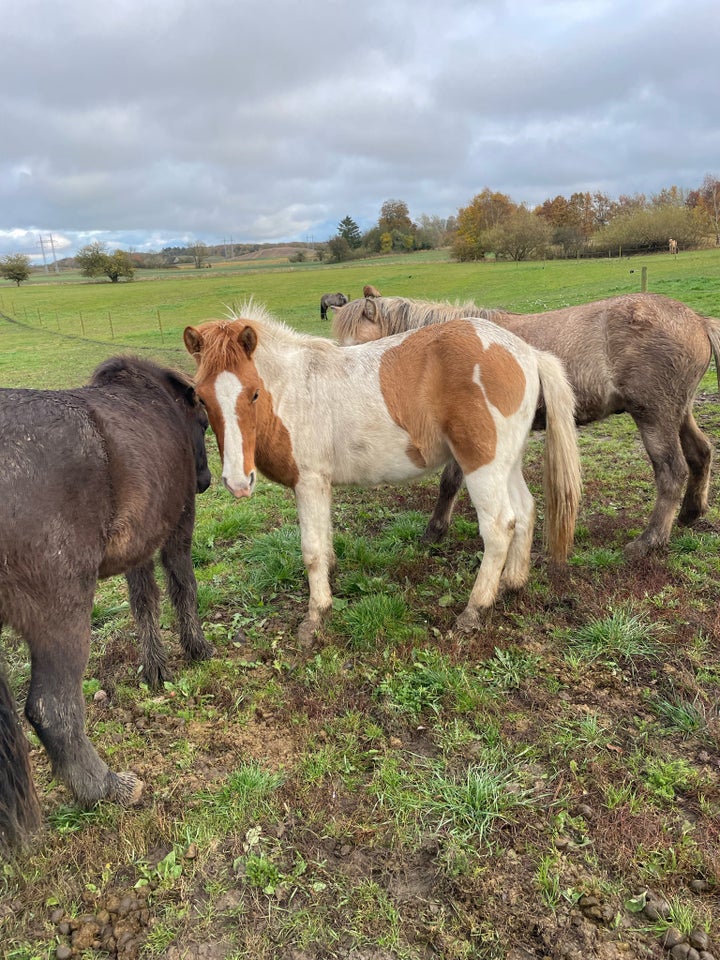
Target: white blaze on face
227,390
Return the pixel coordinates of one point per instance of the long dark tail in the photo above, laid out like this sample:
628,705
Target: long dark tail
20,812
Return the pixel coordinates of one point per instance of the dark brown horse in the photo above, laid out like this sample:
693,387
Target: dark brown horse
641,354
93,482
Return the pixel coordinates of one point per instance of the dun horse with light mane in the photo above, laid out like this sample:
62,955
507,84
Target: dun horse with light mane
310,414
641,354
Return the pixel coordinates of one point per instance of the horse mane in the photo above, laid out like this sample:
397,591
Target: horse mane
222,348
398,314
129,367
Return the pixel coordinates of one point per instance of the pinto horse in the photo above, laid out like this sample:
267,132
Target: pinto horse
641,354
93,482
310,414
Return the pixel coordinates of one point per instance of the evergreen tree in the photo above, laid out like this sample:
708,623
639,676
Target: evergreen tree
349,230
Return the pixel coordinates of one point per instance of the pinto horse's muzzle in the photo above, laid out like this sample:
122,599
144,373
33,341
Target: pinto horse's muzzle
241,488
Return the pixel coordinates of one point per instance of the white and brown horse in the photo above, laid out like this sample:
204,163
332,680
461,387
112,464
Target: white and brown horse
310,414
640,353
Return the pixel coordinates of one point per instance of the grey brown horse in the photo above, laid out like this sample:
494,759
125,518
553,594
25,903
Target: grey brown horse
93,482
331,300
640,353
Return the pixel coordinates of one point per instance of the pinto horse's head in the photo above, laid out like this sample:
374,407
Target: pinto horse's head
229,385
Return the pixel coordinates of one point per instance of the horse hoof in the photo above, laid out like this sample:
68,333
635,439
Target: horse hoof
640,549
128,789
202,651
306,631
469,620
157,676
433,534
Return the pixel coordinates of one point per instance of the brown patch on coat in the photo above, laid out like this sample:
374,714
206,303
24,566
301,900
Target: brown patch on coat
429,383
220,345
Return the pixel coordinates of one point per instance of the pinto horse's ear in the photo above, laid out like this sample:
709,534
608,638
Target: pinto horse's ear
248,340
370,311
193,342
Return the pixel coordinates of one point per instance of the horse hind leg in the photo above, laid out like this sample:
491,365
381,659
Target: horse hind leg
20,813
176,557
489,493
56,709
517,567
450,483
671,472
698,454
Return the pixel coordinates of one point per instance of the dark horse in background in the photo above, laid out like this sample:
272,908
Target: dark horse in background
93,482
331,300
640,353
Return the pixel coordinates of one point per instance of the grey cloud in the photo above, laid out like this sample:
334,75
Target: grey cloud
272,120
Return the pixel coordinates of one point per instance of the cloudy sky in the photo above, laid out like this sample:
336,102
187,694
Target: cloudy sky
148,123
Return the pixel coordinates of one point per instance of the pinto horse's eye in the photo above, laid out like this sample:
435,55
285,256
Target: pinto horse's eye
255,396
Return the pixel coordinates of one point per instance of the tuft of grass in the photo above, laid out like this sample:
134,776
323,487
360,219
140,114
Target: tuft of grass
429,682
508,668
374,618
686,717
245,796
274,560
469,807
622,637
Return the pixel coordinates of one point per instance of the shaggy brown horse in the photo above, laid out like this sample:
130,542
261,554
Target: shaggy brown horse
93,482
641,354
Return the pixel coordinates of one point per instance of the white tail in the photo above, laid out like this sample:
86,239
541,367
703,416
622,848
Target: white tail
562,483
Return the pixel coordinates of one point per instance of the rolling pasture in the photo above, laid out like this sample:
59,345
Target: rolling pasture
547,787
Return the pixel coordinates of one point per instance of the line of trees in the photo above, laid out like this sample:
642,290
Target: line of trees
584,224
587,224
394,232
492,224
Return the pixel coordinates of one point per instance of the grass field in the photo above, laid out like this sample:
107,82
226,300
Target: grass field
546,788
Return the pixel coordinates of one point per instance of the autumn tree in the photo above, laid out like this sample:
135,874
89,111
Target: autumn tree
394,215
15,267
706,203
95,261
647,230
119,264
339,249
484,212
522,235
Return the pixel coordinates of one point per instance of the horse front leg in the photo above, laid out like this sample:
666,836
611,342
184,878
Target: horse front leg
145,606
176,557
314,501
450,483
56,709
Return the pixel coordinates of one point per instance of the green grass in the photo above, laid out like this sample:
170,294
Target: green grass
397,787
